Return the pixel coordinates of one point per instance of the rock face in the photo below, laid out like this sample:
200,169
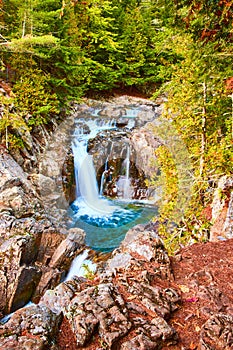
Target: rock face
139,299
33,253
125,300
222,210
131,301
29,328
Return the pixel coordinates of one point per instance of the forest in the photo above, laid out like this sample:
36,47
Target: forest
53,52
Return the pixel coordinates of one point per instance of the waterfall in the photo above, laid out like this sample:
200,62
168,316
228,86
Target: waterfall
88,200
127,189
124,181
103,176
105,221
77,267
102,182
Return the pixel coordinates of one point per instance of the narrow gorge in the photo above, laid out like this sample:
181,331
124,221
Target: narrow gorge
82,264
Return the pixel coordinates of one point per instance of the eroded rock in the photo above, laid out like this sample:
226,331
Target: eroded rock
100,306
20,279
217,333
32,327
152,335
58,299
67,249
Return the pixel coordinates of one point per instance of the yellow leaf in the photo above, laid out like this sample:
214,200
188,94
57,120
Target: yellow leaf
184,289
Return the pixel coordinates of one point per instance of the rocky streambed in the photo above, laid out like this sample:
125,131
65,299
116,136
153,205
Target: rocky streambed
139,298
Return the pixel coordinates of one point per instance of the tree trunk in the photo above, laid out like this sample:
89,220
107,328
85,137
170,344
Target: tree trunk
203,131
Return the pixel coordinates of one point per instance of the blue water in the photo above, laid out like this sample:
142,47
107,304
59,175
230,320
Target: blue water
105,232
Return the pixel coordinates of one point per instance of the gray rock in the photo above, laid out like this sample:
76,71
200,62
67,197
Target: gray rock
140,342
222,210
118,261
67,249
152,335
58,299
22,343
38,323
156,299
20,279
148,246
45,185
100,306
16,201
16,192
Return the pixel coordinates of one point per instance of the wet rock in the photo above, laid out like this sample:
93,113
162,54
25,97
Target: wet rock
21,280
217,333
34,322
25,283
99,306
50,278
69,247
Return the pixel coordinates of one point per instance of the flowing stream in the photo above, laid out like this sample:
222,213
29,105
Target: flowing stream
105,221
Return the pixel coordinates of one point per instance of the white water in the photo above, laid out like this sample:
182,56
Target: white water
7,317
88,199
103,177
77,267
127,189
105,224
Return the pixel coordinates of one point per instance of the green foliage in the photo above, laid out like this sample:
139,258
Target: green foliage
34,99
88,272
12,125
56,51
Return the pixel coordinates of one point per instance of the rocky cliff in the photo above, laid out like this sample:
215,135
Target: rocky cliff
140,298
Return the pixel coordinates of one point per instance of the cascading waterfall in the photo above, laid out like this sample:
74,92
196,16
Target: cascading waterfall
87,192
77,267
105,221
127,189
103,176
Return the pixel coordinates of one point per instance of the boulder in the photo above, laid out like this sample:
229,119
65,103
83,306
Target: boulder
145,246
32,326
24,285
68,248
58,299
21,280
152,335
100,306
